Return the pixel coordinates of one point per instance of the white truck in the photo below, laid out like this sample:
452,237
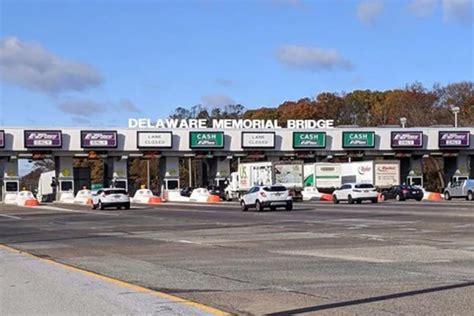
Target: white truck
45,190
286,173
381,173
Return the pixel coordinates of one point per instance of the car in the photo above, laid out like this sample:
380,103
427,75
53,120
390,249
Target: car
270,196
403,192
460,189
111,197
186,191
355,192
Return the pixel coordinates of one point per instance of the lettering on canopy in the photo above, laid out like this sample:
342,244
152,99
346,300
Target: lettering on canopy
144,123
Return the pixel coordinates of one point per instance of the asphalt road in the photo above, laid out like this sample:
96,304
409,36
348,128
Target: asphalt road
412,258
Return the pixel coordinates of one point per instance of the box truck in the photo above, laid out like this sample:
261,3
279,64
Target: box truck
286,173
381,173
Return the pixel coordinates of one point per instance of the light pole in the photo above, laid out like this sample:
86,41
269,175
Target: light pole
455,110
403,121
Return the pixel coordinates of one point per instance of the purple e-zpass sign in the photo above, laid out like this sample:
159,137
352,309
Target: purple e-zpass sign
407,139
2,139
39,139
453,139
100,139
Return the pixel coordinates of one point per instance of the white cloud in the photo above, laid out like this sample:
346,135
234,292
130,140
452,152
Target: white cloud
458,11
422,8
216,100
81,107
31,66
312,58
129,106
369,10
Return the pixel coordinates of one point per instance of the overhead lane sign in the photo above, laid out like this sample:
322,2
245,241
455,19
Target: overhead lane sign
206,140
42,139
407,139
358,139
309,140
447,139
258,140
154,139
99,139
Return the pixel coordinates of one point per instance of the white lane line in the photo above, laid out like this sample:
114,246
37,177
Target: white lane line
53,208
10,216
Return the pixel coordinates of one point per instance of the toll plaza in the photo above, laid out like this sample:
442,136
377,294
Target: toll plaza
220,150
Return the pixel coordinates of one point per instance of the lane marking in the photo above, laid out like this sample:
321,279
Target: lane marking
120,283
10,216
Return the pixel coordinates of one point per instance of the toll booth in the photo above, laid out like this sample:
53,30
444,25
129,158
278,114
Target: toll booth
10,181
64,179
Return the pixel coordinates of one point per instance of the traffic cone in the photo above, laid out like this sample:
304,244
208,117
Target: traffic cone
155,200
213,199
31,202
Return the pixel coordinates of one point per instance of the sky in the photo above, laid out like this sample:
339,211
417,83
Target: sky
98,63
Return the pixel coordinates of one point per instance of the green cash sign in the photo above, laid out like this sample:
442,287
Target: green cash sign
358,139
206,140
309,140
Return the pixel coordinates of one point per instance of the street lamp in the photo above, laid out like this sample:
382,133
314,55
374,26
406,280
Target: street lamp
403,121
455,110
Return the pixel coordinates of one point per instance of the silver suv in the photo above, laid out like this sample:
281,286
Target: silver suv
460,189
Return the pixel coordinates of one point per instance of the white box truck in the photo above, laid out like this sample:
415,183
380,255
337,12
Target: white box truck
381,173
45,190
286,173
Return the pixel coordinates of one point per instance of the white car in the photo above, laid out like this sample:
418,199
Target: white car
112,197
271,196
355,192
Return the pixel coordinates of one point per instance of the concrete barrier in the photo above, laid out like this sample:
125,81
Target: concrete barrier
66,197
213,199
83,197
26,198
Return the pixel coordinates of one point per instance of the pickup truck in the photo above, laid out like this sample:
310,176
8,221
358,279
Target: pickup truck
460,189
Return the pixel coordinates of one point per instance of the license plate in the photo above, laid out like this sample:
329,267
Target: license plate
117,196
278,203
366,191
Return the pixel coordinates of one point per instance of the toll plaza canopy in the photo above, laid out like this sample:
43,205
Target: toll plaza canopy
179,142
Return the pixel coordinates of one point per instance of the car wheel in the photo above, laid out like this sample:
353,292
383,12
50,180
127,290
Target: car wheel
350,200
227,197
289,206
273,208
243,207
470,196
358,201
447,196
335,200
374,200
93,206
419,199
101,206
259,206
127,206
398,197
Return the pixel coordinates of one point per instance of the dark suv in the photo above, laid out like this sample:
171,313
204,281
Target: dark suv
403,192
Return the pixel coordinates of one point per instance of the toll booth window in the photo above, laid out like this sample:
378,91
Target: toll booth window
11,186
172,184
121,184
416,181
66,185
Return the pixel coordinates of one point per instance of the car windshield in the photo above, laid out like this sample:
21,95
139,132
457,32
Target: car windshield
115,192
274,189
364,186
407,187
